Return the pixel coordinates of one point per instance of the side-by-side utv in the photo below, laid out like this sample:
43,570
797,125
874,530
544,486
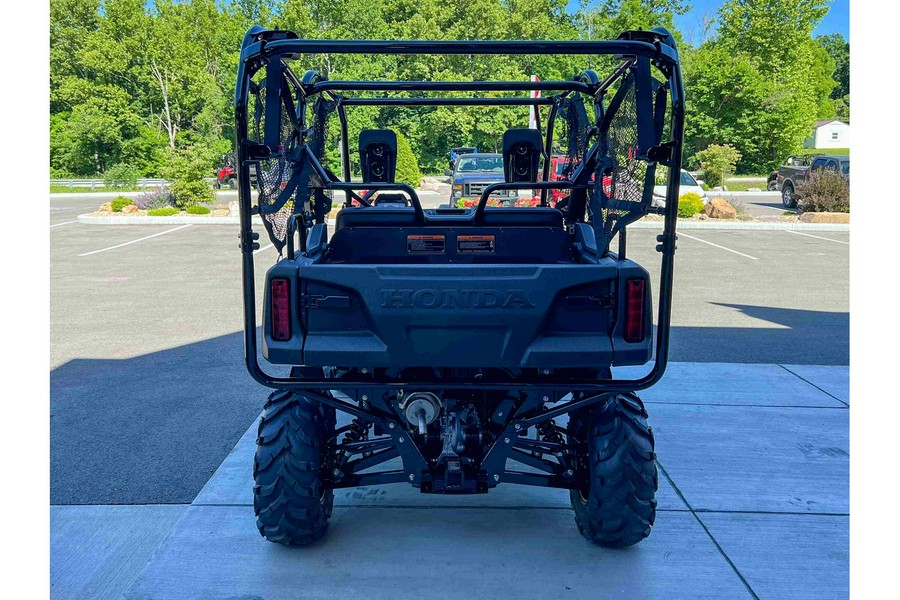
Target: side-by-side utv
471,347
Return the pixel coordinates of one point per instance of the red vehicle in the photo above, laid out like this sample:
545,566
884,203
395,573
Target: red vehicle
558,173
226,175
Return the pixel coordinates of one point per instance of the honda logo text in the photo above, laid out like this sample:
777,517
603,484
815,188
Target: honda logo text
454,299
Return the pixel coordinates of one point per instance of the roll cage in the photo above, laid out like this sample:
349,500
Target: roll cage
291,108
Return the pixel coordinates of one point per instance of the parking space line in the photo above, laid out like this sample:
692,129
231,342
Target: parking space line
135,241
258,250
58,224
718,246
818,237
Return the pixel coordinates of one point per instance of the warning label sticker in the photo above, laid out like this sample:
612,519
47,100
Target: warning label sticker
426,244
478,244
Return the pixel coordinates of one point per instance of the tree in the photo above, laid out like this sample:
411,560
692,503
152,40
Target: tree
407,166
839,50
762,82
717,162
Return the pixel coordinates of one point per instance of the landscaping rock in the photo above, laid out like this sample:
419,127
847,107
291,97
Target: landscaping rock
825,217
719,208
234,208
220,207
107,207
754,189
131,208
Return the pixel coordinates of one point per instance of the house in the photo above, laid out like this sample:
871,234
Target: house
827,134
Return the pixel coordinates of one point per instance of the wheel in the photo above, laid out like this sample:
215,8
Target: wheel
772,186
291,505
616,505
787,195
232,183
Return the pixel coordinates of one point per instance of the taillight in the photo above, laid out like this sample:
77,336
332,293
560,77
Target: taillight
281,309
634,310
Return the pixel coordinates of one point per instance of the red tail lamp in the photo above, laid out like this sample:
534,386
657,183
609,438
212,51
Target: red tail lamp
634,310
281,309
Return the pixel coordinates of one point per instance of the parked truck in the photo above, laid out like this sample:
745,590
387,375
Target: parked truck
791,175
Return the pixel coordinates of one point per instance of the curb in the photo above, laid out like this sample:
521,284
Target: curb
745,226
736,226
173,220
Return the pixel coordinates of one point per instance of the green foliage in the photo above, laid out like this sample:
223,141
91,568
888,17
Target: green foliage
717,162
186,169
823,191
761,83
839,49
121,176
167,211
134,82
407,165
120,202
689,205
197,210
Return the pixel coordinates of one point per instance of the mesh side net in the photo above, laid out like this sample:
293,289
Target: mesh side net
573,113
270,176
624,178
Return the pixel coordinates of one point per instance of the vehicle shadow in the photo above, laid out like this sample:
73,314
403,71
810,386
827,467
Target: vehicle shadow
154,428
795,337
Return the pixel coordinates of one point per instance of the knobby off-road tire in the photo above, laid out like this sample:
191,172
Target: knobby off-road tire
616,506
291,505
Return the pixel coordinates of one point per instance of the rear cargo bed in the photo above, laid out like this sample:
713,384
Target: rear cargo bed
486,315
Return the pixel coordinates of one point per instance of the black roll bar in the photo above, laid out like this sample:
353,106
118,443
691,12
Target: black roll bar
260,45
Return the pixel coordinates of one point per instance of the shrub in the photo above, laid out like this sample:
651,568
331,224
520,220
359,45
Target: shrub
167,211
407,165
823,191
187,168
121,176
716,162
197,210
158,198
120,202
689,205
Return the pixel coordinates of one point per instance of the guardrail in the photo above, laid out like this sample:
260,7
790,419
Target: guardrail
95,183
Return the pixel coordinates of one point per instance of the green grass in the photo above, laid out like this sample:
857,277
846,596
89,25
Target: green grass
825,151
197,210
743,186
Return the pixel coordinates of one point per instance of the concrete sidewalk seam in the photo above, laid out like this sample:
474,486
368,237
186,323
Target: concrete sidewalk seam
708,533
846,405
729,404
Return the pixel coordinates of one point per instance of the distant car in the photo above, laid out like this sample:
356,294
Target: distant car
689,185
475,172
791,176
794,161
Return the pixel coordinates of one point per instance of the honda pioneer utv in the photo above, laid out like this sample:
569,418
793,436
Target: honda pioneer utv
470,347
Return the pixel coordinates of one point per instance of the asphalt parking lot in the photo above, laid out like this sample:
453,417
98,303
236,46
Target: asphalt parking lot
146,320
149,396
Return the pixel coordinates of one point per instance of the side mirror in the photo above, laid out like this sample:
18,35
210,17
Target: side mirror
448,173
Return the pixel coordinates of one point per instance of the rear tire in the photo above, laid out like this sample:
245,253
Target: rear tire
616,506
787,195
291,505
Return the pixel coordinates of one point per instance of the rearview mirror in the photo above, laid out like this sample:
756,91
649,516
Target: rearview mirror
448,173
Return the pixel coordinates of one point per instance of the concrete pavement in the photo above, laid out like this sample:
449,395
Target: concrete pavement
753,503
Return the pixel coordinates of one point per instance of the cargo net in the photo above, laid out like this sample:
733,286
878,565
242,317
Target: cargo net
283,180
270,176
578,131
622,189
